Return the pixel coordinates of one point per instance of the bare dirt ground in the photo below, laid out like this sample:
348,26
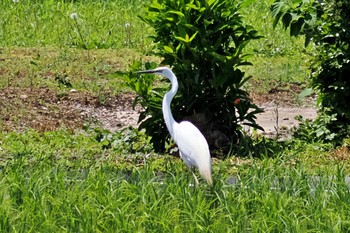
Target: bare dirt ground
282,119
281,111
43,109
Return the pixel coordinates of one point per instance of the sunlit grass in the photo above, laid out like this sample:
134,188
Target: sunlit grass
74,181
91,71
277,58
82,24
90,25
60,181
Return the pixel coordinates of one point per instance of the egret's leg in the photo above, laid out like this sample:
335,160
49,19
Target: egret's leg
195,178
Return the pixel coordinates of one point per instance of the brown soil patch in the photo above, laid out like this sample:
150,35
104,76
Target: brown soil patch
281,106
43,109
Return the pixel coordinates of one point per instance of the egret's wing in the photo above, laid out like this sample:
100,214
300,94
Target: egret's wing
192,144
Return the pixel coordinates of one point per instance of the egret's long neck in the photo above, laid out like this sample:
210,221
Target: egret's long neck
168,116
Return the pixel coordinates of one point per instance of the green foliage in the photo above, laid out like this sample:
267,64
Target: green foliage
300,16
203,42
325,128
127,140
327,24
258,146
63,80
150,99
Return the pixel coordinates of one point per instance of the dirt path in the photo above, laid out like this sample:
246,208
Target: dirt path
43,110
274,117
283,119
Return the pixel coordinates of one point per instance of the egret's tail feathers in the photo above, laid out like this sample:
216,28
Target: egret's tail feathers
206,173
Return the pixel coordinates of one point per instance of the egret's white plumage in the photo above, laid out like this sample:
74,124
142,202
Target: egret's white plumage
193,147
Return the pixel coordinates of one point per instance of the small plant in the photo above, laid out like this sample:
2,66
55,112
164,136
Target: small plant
203,42
127,140
63,80
323,129
78,29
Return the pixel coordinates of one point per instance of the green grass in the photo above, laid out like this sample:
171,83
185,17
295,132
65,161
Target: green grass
92,71
94,181
106,28
63,182
278,59
99,24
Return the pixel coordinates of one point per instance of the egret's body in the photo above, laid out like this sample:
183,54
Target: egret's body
193,147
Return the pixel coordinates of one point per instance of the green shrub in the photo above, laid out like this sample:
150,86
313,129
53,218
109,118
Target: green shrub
203,42
324,128
327,25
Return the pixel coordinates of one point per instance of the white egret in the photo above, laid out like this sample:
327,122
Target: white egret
193,147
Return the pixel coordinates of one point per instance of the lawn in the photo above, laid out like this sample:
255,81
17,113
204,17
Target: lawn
61,171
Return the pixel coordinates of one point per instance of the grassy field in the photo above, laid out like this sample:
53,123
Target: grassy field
61,182
61,173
